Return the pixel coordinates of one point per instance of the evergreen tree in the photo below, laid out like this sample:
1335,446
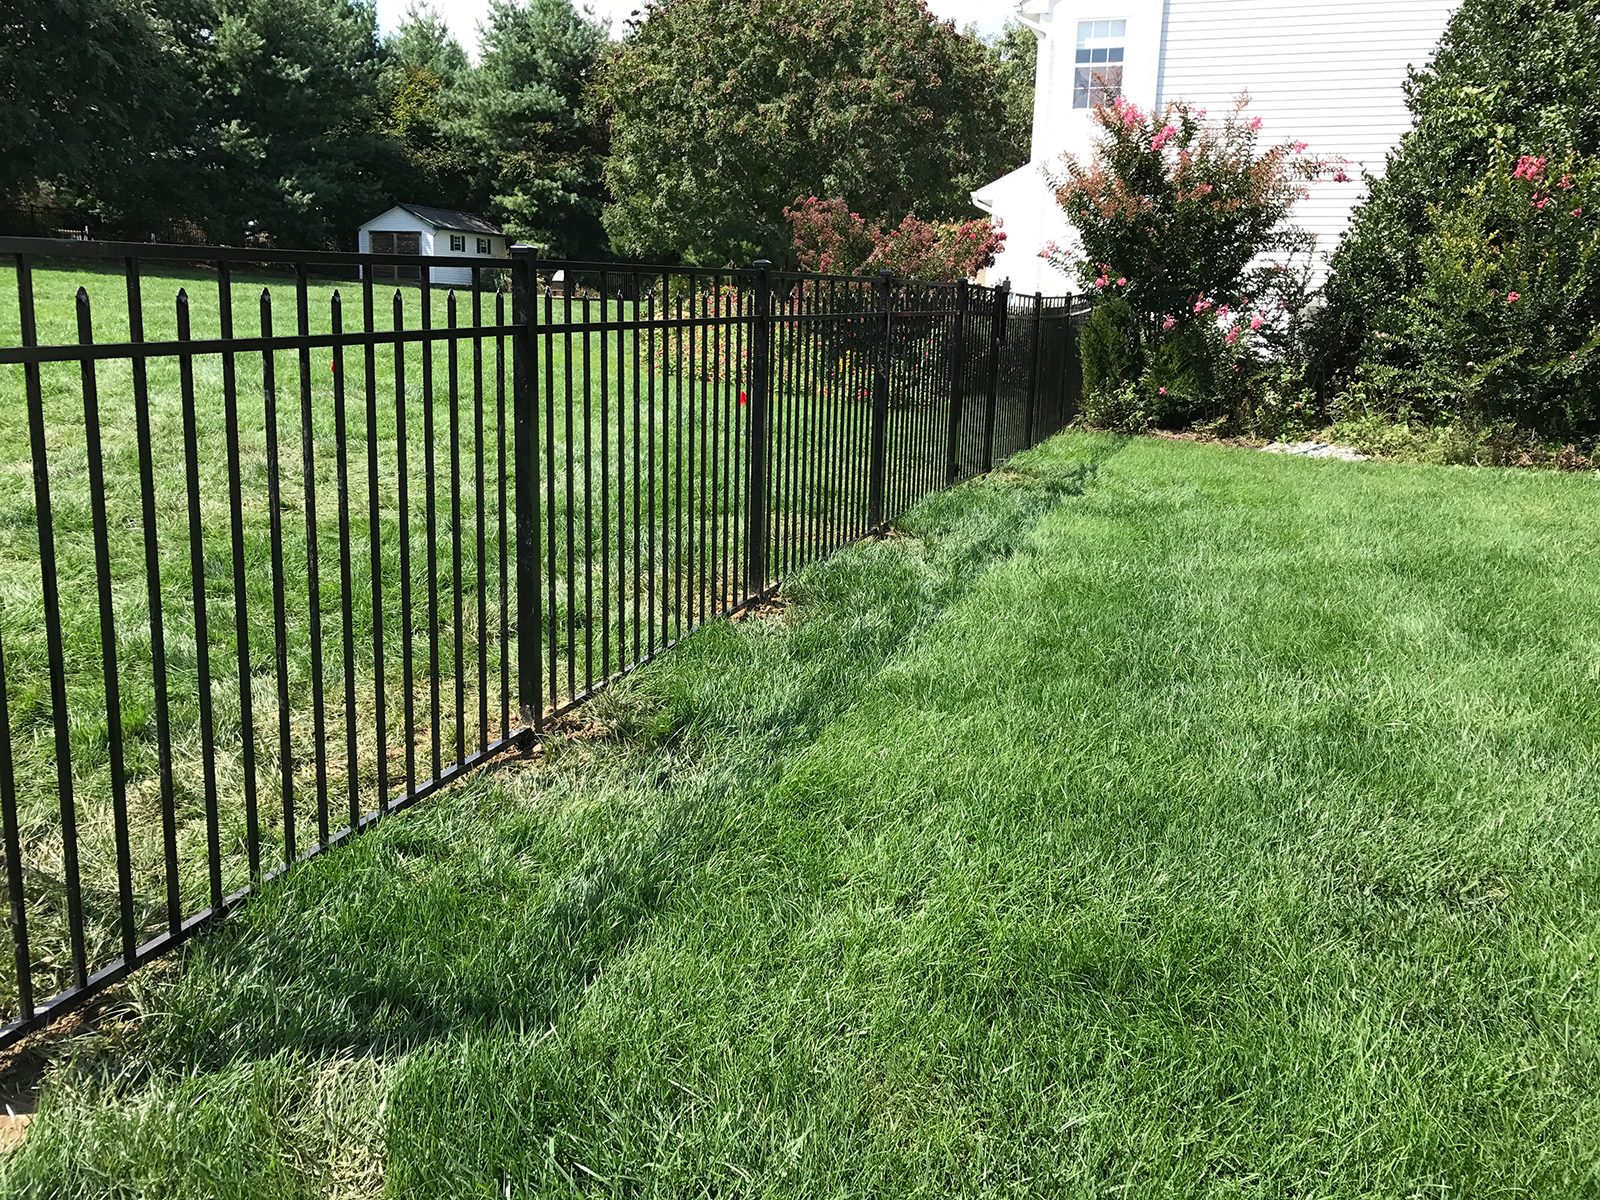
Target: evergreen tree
290,95
523,120
423,95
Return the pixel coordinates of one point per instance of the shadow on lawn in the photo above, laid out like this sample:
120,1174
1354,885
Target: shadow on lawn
500,904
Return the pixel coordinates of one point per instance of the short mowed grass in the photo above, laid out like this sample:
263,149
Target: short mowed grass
1151,819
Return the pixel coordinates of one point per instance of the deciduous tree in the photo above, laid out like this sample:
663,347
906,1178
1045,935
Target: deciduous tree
722,111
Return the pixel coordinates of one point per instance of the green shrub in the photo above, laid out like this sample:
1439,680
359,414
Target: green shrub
1108,346
1502,322
1519,74
1125,408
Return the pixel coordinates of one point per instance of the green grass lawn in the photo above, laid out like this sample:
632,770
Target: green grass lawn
1153,819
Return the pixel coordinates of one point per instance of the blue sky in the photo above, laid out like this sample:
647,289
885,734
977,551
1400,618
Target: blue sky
463,15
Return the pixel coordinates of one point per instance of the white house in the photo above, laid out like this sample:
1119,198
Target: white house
436,232
1327,72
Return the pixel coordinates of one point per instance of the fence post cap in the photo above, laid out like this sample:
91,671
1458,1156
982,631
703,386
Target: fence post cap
762,264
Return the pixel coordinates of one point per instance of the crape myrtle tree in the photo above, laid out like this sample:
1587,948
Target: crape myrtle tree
1185,247
831,239
720,112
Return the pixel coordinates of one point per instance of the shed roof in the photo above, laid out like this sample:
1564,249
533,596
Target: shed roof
449,218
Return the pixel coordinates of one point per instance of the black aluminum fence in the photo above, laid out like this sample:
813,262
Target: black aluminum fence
271,570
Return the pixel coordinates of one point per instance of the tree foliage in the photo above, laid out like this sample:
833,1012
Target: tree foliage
289,89
288,122
524,120
721,111
421,98
1014,54
93,98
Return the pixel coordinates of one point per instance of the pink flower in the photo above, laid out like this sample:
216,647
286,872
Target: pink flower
1169,322
1199,112
1513,297
1122,281
1300,147
1167,133
1341,176
1101,282
1577,212
1529,168
1566,183
1163,391
1223,311
1233,336
1253,124
1257,321
1202,304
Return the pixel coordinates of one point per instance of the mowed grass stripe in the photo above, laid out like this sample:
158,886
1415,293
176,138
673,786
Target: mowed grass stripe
1227,831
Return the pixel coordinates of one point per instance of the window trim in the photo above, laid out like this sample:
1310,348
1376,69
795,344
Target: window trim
1098,80
458,243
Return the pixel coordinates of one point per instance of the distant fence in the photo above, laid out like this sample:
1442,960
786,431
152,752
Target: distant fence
282,553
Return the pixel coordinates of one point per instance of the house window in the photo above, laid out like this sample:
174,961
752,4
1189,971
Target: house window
1097,74
483,247
458,243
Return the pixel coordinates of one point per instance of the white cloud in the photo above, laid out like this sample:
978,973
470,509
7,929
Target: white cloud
463,16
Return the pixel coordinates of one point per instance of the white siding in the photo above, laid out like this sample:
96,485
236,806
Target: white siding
1327,73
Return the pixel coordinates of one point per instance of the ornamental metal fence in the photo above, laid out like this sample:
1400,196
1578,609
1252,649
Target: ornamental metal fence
285,550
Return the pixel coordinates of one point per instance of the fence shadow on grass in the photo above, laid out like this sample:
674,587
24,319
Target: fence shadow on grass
409,936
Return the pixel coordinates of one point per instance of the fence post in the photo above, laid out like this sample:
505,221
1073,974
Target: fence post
880,408
1033,367
997,335
760,393
958,367
525,433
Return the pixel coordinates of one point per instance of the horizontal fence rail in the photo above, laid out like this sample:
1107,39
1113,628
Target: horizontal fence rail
287,548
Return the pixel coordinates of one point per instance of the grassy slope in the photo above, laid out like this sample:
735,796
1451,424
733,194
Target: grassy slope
1163,821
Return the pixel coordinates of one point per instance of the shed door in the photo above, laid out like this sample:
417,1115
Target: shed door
408,242
381,242
385,241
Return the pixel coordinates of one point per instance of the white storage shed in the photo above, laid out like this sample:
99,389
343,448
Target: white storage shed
439,233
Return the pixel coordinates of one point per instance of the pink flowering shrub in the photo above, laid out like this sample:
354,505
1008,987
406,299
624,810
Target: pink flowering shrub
1180,206
1504,322
1175,215
832,240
